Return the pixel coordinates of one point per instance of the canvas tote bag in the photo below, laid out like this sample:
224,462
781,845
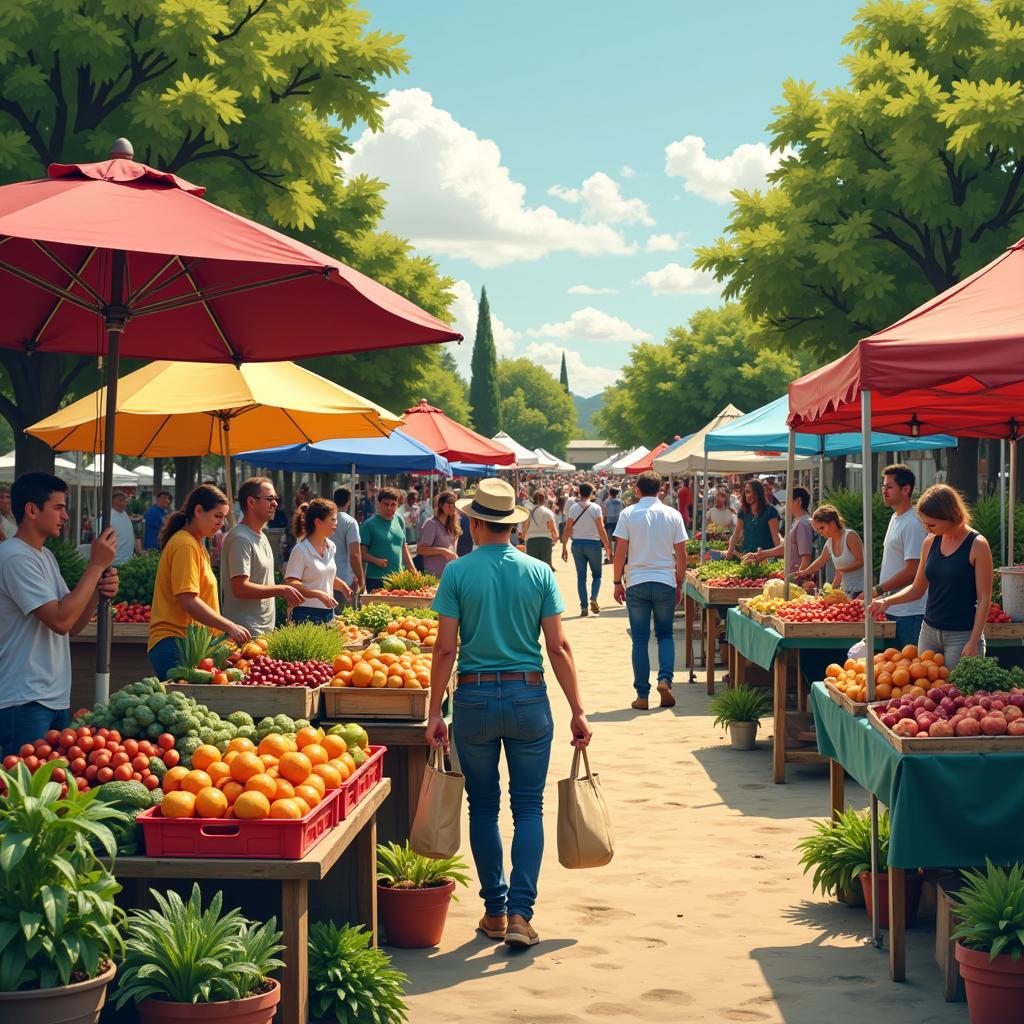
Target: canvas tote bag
436,829
585,837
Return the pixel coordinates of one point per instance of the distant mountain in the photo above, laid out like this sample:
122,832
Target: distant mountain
585,409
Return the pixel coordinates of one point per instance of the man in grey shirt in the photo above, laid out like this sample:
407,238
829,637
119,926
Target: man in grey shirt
348,556
247,562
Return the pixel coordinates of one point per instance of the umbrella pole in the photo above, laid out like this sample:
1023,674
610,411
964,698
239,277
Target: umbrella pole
704,508
226,428
1002,502
1010,557
115,318
787,540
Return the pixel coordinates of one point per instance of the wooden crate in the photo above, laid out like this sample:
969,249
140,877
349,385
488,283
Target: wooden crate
725,595
124,632
258,701
855,707
354,702
945,946
829,630
944,744
396,602
1004,630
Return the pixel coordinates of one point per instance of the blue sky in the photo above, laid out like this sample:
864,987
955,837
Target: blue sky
568,155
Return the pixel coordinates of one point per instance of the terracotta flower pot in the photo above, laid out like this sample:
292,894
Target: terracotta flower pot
79,1003
414,918
743,735
257,1009
995,988
911,896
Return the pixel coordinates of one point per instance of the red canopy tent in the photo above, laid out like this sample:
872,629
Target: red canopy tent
452,440
646,463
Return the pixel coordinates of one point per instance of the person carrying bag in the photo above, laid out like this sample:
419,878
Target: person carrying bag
585,837
437,828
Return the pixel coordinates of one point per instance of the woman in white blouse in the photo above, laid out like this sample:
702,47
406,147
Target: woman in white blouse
311,568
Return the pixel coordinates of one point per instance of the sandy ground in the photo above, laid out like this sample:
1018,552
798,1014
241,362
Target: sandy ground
703,915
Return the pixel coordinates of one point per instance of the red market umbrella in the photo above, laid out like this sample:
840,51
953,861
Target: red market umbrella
452,440
117,258
647,462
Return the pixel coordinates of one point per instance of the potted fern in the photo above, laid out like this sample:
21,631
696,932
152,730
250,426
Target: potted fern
59,927
413,894
990,908
350,981
184,963
740,708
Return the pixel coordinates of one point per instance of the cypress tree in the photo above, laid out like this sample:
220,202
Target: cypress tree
484,398
563,377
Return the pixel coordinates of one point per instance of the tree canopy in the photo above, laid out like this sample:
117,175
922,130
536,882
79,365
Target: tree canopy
676,386
484,399
535,408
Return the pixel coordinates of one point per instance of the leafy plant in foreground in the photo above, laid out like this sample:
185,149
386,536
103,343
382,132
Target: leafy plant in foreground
739,704
990,906
400,867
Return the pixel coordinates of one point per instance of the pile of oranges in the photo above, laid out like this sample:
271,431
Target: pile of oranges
898,673
419,631
280,778
380,670
353,634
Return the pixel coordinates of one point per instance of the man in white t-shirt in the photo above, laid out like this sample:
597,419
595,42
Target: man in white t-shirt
901,553
127,543
8,527
653,537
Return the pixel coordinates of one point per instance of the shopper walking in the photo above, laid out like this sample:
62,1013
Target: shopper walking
311,569
652,536
153,521
497,601
584,524
439,537
611,508
382,539
540,532
955,570
348,558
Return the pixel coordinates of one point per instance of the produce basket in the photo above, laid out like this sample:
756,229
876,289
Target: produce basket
271,838
725,595
354,702
258,701
855,707
944,744
398,601
351,792
1004,630
853,631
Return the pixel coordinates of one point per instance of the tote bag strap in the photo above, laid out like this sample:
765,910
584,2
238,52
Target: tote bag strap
575,772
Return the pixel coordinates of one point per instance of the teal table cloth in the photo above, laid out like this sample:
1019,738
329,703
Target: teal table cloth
945,810
760,644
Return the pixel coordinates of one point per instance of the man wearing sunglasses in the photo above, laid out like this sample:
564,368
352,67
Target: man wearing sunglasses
247,562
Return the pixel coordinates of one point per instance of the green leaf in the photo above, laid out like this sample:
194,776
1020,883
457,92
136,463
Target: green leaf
15,845
30,924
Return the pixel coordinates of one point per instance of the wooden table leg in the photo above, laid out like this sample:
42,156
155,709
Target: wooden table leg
417,768
801,688
711,629
836,787
688,607
779,737
897,924
295,974
365,851
741,670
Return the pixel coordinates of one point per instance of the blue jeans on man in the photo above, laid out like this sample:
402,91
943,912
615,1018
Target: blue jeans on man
644,600
25,723
908,629
486,717
587,553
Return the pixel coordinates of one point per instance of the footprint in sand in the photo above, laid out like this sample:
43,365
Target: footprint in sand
648,941
671,996
744,1015
771,828
609,967
597,914
611,1010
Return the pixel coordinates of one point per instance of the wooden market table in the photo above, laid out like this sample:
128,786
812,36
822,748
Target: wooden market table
128,660
358,831
940,811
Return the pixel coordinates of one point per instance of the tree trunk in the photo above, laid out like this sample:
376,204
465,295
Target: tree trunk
838,472
324,482
963,468
158,477
185,469
289,493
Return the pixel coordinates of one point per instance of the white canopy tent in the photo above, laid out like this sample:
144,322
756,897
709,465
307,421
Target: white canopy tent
606,464
122,477
525,459
145,475
62,467
620,464
555,463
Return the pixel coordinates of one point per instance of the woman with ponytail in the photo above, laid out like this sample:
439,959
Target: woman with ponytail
185,591
311,568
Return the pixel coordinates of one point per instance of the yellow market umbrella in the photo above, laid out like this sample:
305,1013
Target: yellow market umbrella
173,408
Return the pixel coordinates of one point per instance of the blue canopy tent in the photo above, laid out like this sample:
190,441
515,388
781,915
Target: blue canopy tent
473,469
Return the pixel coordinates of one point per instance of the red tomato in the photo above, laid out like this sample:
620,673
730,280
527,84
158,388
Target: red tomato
119,759
171,757
123,773
150,781
90,772
59,775
32,762
68,738
82,784
27,749
76,751
86,742
43,750
165,740
103,733
145,747
84,730
78,766
51,737
114,735
131,747
139,762
105,775
11,760
99,742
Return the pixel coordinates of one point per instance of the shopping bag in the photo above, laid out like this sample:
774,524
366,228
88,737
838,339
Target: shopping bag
585,837
436,829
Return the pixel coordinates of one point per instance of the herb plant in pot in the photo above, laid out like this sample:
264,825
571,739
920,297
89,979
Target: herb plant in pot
186,964
59,928
990,907
828,852
413,894
741,709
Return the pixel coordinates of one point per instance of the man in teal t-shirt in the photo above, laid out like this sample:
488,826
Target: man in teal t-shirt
382,539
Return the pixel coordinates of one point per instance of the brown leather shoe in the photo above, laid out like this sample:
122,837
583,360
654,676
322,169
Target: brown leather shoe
668,700
493,927
640,704
519,932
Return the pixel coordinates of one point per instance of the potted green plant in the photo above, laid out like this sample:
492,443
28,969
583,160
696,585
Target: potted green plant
59,928
741,708
990,908
413,894
184,963
828,854
350,981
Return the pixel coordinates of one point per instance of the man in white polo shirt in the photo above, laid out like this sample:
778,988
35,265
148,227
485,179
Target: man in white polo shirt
653,537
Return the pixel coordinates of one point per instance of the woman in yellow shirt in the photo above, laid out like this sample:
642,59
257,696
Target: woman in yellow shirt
186,589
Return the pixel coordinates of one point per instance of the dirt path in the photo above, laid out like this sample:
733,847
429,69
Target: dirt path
703,915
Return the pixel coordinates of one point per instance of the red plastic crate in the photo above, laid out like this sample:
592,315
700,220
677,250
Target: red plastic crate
277,839
359,783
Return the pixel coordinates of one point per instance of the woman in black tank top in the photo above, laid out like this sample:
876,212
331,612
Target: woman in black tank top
956,571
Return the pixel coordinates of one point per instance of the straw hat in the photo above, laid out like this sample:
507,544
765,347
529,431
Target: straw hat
493,502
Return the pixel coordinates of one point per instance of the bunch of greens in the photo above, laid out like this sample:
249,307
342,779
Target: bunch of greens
990,907
713,543
351,981
70,563
376,616
739,570
839,849
406,579
137,577
740,704
399,867
973,674
183,954
57,913
304,641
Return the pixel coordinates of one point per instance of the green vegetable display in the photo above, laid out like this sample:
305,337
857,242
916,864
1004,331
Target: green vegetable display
739,570
304,641
973,674
137,577
70,563
375,616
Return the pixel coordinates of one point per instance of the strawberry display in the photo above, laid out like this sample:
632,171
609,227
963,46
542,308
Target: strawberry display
996,614
132,612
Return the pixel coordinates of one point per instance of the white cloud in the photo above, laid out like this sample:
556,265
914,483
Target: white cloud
592,325
746,167
586,289
627,172
465,309
603,201
450,194
661,243
584,378
673,279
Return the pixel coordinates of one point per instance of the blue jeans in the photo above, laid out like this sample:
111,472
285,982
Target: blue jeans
25,723
321,616
908,629
163,656
587,553
518,716
642,601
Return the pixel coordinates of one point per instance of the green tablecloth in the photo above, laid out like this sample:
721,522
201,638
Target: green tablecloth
760,644
689,590
946,810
